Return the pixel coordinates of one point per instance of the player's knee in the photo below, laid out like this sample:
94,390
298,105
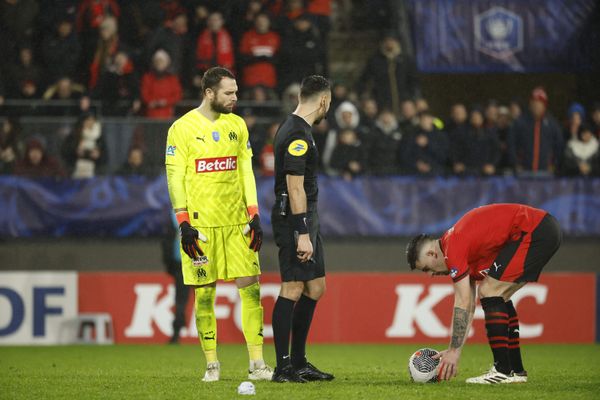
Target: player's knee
315,292
292,291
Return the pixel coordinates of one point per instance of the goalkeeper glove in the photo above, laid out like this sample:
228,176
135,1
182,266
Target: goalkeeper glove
253,227
189,240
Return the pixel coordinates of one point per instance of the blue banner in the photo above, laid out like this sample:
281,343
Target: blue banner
395,206
504,35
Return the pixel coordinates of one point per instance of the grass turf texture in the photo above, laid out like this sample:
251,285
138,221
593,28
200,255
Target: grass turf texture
362,372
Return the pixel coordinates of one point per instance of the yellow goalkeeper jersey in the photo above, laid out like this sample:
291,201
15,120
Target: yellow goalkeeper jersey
209,169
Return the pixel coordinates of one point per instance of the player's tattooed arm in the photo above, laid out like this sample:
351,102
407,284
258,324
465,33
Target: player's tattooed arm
460,326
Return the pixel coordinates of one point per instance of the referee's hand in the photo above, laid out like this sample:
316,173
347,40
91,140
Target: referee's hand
304,250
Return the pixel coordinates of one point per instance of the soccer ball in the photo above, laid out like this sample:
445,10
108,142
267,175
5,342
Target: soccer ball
422,368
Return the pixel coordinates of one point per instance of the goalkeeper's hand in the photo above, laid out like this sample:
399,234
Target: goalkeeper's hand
256,233
189,240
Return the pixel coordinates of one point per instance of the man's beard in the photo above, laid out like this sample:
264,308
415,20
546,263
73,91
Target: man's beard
219,108
320,118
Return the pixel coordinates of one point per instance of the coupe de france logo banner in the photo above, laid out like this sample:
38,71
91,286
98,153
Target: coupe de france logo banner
502,36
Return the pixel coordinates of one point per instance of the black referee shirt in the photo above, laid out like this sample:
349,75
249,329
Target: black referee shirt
296,154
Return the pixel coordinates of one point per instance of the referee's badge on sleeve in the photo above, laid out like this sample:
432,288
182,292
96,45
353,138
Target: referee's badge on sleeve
298,147
171,150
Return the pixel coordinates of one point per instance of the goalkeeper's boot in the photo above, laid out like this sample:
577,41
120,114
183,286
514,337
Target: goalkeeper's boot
518,377
213,372
287,374
490,378
259,371
312,373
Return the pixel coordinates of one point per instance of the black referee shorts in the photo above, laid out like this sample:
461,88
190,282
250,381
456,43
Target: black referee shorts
290,268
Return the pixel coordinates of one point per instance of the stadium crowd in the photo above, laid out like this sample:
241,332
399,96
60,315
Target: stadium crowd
141,58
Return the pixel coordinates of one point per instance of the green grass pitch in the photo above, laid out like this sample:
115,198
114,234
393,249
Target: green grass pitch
362,372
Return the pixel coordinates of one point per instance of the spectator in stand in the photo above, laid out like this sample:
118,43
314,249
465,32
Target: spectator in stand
368,116
422,106
161,89
248,11
37,163
135,164
482,148
348,158
409,118
65,89
502,130
384,147
457,137
301,51
90,16
198,19
259,48
108,46
118,87
10,144
24,77
595,116
390,75
425,152
515,109
289,98
535,141
266,157
339,94
346,117
174,40
84,150
582,155
214,47
576,118
294,9
491,114
320,133
458,118
61,51
17,25
171,9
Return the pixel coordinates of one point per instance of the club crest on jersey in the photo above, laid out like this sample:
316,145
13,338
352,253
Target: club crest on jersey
171,150
216,136
453,272
298,148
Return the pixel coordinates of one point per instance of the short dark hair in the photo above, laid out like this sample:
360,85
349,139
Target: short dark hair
413,248
213,76
313,84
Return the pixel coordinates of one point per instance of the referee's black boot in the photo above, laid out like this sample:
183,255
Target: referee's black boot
311,373
286,374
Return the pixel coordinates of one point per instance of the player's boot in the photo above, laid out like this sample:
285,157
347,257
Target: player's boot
287,374
259,371
213,372
490,378
312,373
518,377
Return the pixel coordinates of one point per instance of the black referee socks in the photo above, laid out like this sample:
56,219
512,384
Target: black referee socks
303,314
282,324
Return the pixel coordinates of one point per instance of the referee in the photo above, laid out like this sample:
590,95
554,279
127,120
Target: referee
296,230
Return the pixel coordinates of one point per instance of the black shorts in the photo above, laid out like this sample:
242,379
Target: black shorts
290,268
522,260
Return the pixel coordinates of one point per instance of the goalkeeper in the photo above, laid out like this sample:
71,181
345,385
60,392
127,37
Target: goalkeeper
212,189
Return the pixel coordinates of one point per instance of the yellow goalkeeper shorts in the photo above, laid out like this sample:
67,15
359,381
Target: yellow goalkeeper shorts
227,256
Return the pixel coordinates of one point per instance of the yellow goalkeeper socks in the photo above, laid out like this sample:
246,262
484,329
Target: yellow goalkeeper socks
252,320
206,321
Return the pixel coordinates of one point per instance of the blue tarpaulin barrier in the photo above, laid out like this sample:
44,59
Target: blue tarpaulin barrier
504,35
394,206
